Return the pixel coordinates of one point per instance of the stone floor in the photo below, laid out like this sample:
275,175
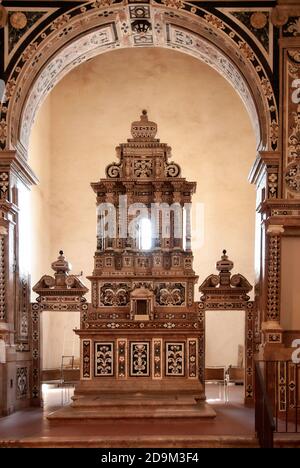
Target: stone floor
30,427
232,427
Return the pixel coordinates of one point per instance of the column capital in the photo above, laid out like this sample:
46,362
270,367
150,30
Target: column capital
3,231
266,166
271,325
275,229
272,332
14,162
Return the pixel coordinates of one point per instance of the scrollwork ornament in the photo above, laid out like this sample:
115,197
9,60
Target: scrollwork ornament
293,27
113,171
49,281
294,54
178,4
294,137
172,170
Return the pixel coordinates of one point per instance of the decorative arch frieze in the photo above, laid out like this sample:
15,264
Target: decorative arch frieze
95,27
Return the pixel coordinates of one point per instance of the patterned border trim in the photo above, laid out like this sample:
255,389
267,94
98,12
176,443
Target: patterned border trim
122,358
273,276
192,358
35,381
249,353
86,359
3,277
157,358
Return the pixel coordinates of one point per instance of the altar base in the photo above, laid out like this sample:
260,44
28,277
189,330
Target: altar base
134,405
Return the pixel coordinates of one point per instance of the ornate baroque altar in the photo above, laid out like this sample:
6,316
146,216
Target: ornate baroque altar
142,336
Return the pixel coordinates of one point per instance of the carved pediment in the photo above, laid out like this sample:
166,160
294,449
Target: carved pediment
46,282
225,286
61,283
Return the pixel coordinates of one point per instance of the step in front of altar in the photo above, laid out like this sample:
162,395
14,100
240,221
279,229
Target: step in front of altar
133,406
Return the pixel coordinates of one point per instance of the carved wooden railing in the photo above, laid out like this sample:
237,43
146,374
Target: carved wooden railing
264,422
282,381
277,399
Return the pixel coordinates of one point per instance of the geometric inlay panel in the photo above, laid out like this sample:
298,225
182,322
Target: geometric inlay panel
140,359
22,382
86,359
104,359
175,359
156,358
122,358
170,294
192,358
114,294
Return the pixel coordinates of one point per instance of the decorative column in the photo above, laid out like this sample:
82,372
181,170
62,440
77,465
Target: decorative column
4,328
177,199
110,198
188,230
157,222
272,331
3,275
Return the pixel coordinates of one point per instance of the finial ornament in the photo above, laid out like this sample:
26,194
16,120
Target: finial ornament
143,129
224,265
61,265
236,286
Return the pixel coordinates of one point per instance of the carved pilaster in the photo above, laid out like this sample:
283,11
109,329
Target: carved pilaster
23,314
3,274
188,229
36,356
271,325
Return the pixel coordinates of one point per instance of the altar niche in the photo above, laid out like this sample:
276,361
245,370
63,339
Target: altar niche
142,336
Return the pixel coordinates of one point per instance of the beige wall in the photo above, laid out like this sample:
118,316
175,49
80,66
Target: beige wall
290,297
198,114
40,159
222,349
